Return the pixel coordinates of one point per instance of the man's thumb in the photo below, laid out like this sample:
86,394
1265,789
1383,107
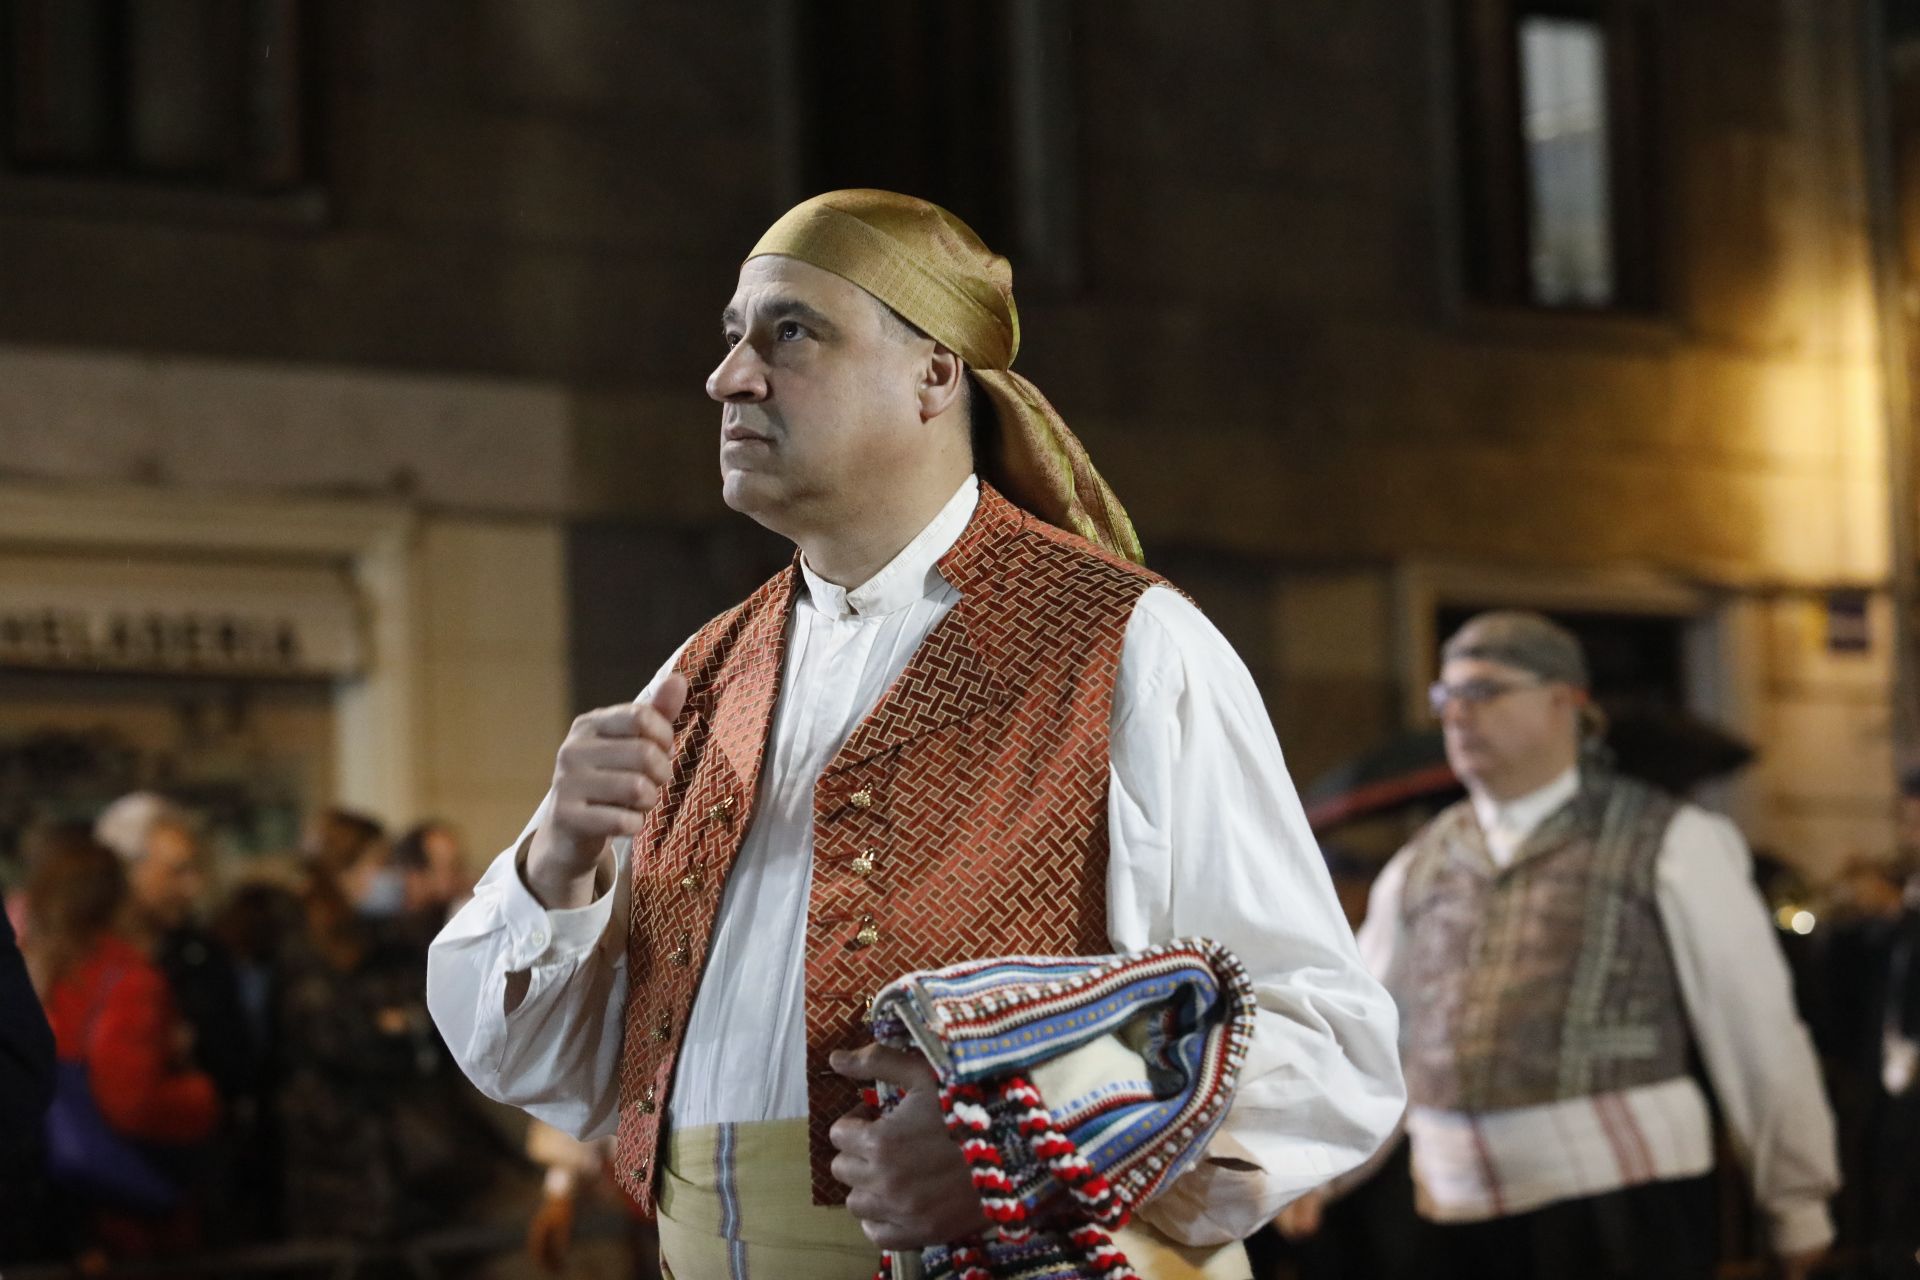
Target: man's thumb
671,696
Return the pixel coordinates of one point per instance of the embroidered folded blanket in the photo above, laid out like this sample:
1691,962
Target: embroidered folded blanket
1077,1086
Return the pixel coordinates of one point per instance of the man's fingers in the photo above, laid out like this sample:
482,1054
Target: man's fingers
621,755
851,1171
618,721
877,1062
852,1133
651,725
870,1205
624,790
1301,1219
641,719
601,821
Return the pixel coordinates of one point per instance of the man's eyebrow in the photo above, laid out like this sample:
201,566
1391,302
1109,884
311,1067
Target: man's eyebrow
782,309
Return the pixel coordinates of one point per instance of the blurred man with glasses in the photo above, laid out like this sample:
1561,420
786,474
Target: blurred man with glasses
1564,945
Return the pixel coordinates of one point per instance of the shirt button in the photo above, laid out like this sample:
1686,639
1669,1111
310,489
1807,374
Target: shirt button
861,799
539,937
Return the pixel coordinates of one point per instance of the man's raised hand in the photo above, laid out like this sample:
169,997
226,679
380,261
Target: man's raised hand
611,769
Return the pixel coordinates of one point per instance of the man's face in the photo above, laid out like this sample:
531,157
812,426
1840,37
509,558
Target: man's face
1507,727
167,883
333,845
357,880
444,880
818,394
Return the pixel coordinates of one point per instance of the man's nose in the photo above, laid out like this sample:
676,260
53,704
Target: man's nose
740,377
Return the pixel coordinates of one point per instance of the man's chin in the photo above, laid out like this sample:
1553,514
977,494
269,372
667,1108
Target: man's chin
1468,766
749,493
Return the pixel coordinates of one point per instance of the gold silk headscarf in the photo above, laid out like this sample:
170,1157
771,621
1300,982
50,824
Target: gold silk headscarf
935,272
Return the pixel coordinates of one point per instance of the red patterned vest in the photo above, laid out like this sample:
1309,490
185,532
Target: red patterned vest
965,817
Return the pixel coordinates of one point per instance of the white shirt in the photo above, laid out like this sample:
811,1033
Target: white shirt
1507,824
1206,837
1739,1003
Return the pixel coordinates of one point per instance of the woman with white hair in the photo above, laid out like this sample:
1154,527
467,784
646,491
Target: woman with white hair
158,843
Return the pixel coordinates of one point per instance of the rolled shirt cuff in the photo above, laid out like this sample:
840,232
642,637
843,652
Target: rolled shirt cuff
1801,1227
538,936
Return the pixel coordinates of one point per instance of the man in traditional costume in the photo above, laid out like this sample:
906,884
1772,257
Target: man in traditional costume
1562,945
963,724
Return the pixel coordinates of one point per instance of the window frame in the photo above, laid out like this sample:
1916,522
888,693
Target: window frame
275,182
1492,249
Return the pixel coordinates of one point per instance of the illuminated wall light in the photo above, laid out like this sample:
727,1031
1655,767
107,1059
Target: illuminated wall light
1802,923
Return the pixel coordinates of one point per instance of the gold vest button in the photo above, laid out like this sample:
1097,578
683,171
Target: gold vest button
861,799
868,934
690,881
645,1106
662,1030
862,865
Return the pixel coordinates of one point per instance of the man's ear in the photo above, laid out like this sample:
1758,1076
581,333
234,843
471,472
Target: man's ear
943,380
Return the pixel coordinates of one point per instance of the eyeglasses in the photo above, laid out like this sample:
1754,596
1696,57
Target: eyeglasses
1474,693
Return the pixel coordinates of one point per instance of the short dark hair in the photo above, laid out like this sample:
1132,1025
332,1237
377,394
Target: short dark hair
410,850
901,329
343,837
898,327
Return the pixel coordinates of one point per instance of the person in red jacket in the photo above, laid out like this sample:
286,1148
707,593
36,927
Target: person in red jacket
111,1008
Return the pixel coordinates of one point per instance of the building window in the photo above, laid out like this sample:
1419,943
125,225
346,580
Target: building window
970,105
1563,115
209,94
1557,143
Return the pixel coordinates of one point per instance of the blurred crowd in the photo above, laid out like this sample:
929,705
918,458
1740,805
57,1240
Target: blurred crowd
250,1066
1858,976
257,1065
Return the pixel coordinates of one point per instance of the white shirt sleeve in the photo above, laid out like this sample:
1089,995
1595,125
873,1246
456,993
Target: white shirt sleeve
529,1001
1739,997
1208,839
1379,933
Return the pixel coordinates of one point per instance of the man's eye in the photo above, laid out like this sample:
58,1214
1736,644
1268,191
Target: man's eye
789,330
731,339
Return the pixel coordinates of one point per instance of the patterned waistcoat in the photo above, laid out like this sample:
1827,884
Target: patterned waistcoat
1550,979
965,817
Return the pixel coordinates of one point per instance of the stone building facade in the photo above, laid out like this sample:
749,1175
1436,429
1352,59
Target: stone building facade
456,354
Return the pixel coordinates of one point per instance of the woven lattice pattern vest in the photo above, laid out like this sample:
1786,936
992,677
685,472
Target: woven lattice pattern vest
1550,979
965,817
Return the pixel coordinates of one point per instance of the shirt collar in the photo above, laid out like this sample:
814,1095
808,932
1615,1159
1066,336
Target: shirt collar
908,577
1522,817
